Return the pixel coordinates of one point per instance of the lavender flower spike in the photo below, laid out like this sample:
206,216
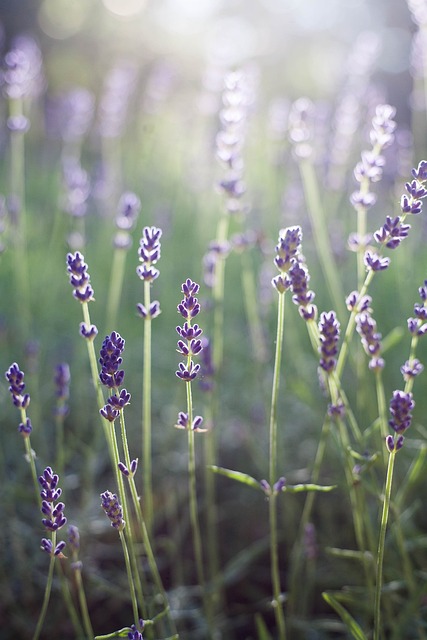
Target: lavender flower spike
401,406
15,378
50,493
287,250
110,360
329,332
113,510
79,277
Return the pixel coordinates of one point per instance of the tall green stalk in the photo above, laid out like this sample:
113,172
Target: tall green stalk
381,546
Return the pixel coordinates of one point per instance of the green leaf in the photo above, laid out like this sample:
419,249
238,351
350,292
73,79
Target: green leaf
244,478
348,620
122,633
261,628
297,488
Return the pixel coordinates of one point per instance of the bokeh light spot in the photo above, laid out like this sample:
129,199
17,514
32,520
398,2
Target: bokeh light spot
124,8
61,19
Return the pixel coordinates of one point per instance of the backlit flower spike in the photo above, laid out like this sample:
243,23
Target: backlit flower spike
79,277
302,296
288,249
394,230
329,333
371,339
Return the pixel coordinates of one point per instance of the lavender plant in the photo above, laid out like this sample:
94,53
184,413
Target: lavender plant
149,254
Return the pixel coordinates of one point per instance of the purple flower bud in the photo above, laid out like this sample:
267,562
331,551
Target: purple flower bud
182,422
123,468
119,401
336,410
73,538
109,413
279,485
375,262
411,369
187,373
88,331
25,428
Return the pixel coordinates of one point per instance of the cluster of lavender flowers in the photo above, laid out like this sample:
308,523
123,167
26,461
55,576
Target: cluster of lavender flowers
329,334
394,230
189,345
401,406
366,327
111,376
370,167
113,510
127,214
82,289
21,400
53,510
149,255
293,272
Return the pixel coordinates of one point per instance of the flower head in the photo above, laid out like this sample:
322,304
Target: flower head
50,493
113,510
329,332
15,378
401,406
110,360
79,277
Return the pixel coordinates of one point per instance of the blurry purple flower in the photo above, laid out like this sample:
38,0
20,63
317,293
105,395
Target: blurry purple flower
371,339
411,369
89,332
329,332
375,262
302,296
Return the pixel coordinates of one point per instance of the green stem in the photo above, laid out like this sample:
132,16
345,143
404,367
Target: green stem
146,409
252,309
130,578
83,604
275,389
47,591
381,546
275,573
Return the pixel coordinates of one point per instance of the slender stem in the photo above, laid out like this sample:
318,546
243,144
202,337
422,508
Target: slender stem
146,412
381,546
275,573
47,591
275,389
83,604
130,578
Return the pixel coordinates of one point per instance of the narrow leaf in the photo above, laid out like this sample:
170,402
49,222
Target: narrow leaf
348,620
261,628
244,478
297,488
